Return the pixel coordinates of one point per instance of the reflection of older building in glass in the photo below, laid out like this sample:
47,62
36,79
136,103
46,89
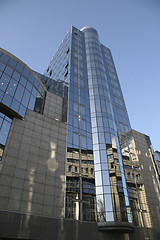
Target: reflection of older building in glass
142,178
96,114
70,165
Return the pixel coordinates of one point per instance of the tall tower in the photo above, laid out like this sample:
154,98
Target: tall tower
96,186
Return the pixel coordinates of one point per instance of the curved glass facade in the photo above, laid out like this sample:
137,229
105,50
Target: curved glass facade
20,89
112,203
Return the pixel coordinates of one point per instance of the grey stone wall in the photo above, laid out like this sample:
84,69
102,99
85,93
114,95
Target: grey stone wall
32,170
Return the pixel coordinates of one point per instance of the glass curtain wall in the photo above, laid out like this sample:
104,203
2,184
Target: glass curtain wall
112,201
94,98
20,90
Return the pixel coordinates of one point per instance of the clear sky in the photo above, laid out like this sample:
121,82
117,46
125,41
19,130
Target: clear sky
32,30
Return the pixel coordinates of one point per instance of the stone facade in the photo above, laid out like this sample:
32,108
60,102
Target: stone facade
32,179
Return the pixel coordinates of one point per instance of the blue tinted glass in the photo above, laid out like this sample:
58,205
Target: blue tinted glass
19,67
9,70
4,58
15,105
31,102
4,132
36,83
19,92
22,111
2,66
12,62
23,81
75,139
31,78
11,87
7,100
29,86
16,75
4,81
25,73
1,120
1,95
25,98
0,73
34,92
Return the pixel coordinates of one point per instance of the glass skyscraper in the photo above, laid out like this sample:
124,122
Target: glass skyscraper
70,164
96,114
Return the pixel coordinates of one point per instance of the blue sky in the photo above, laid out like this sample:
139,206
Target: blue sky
32,30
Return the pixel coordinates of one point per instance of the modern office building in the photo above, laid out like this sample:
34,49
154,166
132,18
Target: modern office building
67,165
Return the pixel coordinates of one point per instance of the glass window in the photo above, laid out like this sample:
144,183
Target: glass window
15,105
22,110
75,122
12,62
19,92
25,98
11,87
83,124
8,70
83,142
16,75
82,109
7,100
23,81
75,139
31,102
2,66
75,107
25,73
4,81
19,67
4,58
29,86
